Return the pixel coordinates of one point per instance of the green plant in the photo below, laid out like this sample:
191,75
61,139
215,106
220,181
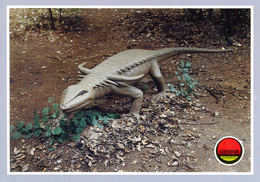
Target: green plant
66,130
186,83
77,123
22,130
144,88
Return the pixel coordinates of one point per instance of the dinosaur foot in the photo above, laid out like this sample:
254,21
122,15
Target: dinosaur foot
133,117
160,96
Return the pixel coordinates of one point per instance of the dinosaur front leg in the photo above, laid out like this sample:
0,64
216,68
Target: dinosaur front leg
159,81
130,91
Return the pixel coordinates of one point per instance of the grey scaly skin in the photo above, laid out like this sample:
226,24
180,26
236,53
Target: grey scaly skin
117,74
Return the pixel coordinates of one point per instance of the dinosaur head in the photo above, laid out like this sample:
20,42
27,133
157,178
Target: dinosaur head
76,97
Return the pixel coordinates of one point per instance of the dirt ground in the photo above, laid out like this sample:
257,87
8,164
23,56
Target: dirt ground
43,62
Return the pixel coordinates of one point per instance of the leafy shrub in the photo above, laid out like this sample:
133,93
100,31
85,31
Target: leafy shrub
186,83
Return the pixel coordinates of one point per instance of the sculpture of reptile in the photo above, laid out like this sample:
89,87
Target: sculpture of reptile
119,73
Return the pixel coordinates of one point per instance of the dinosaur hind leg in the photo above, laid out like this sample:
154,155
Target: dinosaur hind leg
157,77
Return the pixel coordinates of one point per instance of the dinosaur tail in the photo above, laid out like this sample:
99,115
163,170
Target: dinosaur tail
169,52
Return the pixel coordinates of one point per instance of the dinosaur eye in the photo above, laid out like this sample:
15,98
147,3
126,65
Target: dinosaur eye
82,92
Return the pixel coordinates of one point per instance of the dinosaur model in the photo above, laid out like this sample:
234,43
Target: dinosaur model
118,74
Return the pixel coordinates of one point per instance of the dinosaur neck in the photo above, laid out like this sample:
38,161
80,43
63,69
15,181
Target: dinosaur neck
101,91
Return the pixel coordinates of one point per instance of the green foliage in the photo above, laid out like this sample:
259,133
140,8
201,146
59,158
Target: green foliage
36,117
46,110
37,132
186,83
51,149
37,125
47,133
55,114
70,130
171,75
21,129
45,118
76,137
113,115
28,135
144,88
16,135
20,125
29,126
12,128
51,99
34,128
55,106
66,130
74,9
57,131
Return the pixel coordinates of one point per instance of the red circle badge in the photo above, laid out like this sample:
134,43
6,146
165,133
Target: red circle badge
229,150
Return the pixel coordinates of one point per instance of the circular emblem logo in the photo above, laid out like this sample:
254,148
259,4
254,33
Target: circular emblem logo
229,150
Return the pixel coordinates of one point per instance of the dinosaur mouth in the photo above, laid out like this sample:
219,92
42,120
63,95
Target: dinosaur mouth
67,109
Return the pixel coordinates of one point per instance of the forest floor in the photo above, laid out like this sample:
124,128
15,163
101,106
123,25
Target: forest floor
176,138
